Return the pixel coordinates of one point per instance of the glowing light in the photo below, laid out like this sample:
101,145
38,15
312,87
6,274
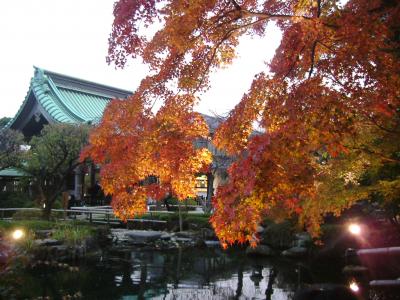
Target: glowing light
355,229
17,234
44,205
354,286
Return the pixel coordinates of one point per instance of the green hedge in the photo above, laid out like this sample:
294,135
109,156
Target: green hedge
35,215
15,199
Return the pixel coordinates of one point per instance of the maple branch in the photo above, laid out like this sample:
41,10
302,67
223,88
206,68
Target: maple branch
222,16
324,45
375,122
214,52
294,63
215,48
319,8
335,79
382,156
236,5
312,59
314,46
269,16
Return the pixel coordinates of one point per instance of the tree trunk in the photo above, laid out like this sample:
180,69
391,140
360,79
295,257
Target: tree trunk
46,212
48,205
180,216
210,191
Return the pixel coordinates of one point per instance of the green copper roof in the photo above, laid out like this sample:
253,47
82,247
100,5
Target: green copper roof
67,99
58,98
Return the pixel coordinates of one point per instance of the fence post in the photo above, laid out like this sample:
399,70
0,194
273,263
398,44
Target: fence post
90,217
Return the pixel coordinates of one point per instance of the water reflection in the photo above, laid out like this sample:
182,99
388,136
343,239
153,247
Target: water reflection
180,274
205,274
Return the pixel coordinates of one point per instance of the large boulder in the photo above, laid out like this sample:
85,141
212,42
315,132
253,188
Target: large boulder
143,236
295,252
303,236
302,239
260,229
261,250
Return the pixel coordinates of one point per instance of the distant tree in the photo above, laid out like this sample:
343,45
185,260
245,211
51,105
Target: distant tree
4,121
54,155
10,148
369,171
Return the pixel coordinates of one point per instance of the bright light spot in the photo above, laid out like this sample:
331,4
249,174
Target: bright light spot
354,286
17,234
44,205
355,229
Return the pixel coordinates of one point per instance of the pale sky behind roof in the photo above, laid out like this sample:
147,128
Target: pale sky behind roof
71,37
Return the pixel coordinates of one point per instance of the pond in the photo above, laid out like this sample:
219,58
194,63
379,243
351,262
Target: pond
209,273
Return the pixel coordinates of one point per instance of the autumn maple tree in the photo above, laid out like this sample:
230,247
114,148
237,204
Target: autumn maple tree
144,155
335,74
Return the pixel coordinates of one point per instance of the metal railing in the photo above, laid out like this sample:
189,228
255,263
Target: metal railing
99,214
93,215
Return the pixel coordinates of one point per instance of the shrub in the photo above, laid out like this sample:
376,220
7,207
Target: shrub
27,215
278,235
201,221
28,224
15,199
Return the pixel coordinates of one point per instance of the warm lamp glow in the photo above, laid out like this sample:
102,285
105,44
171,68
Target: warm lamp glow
355,229
354,286
17,234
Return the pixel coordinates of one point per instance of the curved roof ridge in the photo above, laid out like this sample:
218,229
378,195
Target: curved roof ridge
42,87
108,90
20,109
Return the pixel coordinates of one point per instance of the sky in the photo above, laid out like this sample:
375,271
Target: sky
71,37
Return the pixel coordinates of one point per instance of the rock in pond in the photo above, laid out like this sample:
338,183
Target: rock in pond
260,229
212,243
47,242
262,250
143,236
295,252
351,269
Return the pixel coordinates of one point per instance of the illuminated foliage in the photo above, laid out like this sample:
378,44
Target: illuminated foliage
134,146
335,72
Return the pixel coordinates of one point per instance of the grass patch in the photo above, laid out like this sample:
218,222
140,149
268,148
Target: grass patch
71,233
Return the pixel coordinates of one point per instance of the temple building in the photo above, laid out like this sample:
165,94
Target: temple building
56,98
